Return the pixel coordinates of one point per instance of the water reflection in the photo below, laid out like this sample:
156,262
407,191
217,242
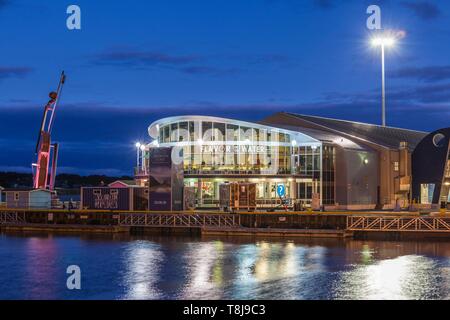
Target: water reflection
142,261
404,277
204,269
261,265
191,268
41,275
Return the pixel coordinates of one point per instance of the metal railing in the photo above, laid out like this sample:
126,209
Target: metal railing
402,224
178,220
11,217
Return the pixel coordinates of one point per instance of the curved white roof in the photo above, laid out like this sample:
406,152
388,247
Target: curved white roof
154,127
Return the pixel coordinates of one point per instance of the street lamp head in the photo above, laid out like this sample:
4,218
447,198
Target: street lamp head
138,145
142,147
383,41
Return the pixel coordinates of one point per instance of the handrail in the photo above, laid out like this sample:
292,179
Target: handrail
178,220
398,224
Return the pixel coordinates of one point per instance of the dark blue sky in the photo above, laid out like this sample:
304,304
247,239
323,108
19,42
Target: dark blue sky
136,61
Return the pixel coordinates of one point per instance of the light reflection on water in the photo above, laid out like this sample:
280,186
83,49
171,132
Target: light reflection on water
142,264
190,268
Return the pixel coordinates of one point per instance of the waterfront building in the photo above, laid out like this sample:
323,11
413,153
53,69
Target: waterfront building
27,198
319,161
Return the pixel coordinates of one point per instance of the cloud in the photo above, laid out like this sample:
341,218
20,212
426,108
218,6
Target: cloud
110,172
423,9
211,65
210,70
187,64
428,96
260,59
9,72
141,58
426,74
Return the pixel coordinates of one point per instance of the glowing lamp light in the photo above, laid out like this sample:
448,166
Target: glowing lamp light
383,41
138,145
366,161
142,147
294,143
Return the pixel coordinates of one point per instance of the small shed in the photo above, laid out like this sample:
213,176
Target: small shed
28,198
122,195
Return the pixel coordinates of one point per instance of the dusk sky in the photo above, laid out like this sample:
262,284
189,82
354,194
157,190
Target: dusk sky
137,61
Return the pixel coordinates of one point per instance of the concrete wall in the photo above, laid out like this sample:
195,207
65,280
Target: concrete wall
356,178
294,221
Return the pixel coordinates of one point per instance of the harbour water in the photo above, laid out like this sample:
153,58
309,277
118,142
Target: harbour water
124,267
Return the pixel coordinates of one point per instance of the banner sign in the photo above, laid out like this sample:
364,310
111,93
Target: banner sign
160,179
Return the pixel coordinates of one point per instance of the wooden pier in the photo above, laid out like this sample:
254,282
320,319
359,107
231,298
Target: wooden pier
275,224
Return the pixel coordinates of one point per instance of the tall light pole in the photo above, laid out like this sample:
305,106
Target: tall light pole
383,42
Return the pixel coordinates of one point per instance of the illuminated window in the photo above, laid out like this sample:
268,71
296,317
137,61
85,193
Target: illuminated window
396,166
426,193
174,132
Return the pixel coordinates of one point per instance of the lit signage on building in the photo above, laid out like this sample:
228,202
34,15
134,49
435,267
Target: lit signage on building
234,149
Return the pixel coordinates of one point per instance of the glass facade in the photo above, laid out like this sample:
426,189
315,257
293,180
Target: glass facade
214,147
220,150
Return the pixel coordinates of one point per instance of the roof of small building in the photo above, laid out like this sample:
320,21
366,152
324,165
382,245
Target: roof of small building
389,137
127,183
25,190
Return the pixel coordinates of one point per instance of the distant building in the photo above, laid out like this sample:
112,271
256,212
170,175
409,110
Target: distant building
28,198
319,161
